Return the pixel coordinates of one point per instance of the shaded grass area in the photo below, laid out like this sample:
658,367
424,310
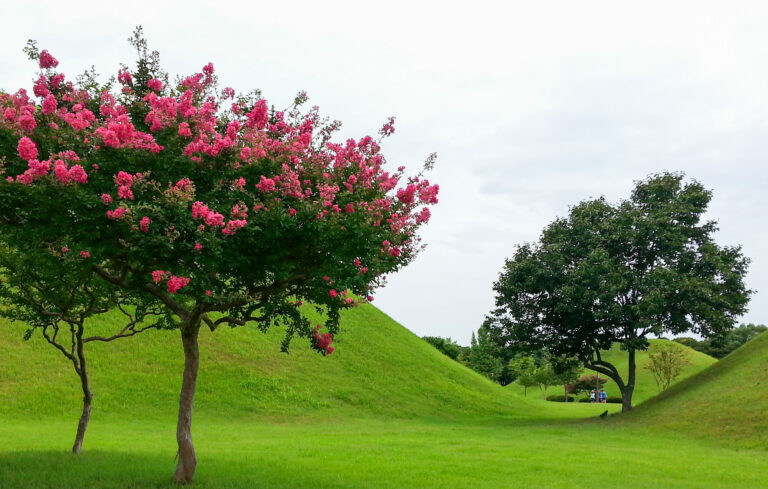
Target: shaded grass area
375,453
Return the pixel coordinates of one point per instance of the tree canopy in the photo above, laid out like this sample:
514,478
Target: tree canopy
209,204
620,274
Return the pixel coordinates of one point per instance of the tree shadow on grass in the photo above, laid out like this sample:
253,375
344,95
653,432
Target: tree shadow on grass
126,470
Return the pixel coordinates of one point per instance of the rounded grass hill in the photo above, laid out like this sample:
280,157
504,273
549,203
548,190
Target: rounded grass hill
379,368
727,401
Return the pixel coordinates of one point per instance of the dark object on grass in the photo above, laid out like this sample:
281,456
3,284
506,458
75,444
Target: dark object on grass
559,398
605,414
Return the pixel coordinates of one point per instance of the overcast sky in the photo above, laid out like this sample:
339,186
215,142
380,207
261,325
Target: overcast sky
531,107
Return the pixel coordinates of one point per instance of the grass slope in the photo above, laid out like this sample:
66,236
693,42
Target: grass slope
727,402
379,368
645,385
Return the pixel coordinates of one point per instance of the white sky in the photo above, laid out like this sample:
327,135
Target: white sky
531,107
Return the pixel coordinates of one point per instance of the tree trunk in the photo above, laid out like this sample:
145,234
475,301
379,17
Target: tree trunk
626,392
185,469
565,391
82,371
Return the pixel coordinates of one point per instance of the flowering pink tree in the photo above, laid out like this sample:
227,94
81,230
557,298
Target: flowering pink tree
211,204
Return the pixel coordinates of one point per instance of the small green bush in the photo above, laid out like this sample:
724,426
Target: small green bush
559,398
614,400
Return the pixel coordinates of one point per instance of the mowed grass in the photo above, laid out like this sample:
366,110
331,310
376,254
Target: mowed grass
386,410
379,369
727,402
372,453
645,385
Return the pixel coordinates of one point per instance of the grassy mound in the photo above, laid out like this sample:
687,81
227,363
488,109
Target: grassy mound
727,401
379,368
645,385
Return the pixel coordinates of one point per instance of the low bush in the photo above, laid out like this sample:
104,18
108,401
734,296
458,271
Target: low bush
559,398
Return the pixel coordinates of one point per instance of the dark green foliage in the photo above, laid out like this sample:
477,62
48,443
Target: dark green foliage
620,274
560,398
446,346
720,347
587,383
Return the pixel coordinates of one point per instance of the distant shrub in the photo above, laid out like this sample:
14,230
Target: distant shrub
614,400
559,398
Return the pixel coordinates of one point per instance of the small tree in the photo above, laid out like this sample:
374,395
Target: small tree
545,376
618,273
481,357
51,295
666,361
211,205
524,370
566,371
587,383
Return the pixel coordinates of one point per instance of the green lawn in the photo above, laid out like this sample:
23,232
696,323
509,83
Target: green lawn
727,402
387,411
374,453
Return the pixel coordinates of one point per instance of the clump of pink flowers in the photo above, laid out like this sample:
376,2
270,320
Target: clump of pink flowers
176,283
323,340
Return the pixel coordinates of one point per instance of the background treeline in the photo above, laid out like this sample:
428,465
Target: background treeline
487,357
720,347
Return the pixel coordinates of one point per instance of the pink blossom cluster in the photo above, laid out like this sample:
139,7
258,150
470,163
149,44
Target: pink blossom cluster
120,132
144,224
119,213
211,218
124,182
65,175
47,60
176,283
155,85
27,149
158,276
233,225
323,340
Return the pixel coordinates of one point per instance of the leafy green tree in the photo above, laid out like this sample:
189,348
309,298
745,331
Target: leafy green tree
481,358
208,205
610,274
666,361
54,296
446,346
566,371
545,377
524,370
587,383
